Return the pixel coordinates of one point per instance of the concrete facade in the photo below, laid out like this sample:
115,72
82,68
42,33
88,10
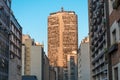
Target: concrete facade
15,64
99,38
62,38
39,63
35,62
4,38
84,60
27,42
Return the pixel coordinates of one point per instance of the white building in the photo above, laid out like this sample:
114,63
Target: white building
84,60
36,61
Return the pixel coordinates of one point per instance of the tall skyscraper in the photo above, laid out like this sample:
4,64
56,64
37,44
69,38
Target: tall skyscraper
62,39
99,38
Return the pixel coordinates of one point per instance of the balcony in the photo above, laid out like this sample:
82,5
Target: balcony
99,29
113,48
98,13
95,28
98,56
99,20
95,51
95,38
100,53
93,7
100,38
99,64
101,5
96,45
94,21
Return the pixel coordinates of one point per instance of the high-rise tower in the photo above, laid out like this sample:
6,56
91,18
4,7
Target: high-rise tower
62,39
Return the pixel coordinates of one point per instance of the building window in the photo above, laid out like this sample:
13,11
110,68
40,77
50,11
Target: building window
119,28
116,73
114,36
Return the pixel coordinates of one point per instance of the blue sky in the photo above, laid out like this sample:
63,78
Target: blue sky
32,16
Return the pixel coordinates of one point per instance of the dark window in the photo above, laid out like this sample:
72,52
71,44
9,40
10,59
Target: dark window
114,36
116,73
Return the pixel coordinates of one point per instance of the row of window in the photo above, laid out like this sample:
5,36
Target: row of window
15,31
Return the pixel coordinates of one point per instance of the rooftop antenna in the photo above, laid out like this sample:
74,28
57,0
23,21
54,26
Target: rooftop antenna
62,9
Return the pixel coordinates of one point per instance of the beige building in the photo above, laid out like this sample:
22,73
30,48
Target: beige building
62,38
27,43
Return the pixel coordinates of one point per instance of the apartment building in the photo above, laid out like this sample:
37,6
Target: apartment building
98,35
36,67
15,62
27,42
114,49
62,39
5,7
84,60
35,62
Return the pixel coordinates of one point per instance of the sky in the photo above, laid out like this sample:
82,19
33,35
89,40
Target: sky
33,14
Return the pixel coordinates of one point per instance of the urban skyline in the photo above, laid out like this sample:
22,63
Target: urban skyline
34,14
74,53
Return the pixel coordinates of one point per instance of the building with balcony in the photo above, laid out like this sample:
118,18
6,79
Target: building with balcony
84,60
98,35
62,39
5,8
15,62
